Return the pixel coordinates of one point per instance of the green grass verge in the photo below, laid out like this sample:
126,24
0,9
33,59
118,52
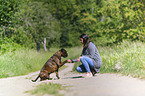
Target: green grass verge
23,61
50,88
126,58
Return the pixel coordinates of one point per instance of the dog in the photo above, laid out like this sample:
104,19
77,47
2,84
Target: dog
52,65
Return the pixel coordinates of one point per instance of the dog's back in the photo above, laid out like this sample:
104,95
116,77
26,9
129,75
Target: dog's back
51,65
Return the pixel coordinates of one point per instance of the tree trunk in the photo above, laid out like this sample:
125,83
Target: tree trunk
38,46
44,44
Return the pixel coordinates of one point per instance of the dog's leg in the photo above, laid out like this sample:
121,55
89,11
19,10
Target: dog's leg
57,74
48,77
62,63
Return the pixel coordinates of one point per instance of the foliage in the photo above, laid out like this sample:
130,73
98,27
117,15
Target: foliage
40,23
62,11
61,22
29,23
74,18
7,11
7,45
123,19
104,21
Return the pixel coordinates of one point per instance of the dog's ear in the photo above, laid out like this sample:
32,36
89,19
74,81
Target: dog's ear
63,50
64,53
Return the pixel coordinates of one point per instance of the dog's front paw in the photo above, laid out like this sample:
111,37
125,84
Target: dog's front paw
33,80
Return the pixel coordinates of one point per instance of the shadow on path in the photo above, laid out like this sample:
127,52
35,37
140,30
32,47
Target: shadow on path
76,77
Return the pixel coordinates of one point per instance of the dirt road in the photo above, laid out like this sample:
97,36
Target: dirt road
99,85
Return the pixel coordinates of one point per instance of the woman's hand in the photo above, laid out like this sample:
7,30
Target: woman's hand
79,59
69,61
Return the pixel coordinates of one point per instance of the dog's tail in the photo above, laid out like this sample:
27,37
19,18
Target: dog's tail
36,78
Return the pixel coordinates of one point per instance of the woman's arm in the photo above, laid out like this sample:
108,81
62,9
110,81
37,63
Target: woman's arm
74,60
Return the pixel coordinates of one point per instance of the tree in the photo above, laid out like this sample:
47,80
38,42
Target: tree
39,23
7,10
75,17
121,19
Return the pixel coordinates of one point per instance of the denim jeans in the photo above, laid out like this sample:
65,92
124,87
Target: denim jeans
87,64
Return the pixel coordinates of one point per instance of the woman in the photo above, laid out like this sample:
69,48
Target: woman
90,57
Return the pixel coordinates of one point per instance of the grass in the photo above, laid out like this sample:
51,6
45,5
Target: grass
126,58
50,88
23,61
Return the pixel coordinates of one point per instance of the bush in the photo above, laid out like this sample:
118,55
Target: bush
6,45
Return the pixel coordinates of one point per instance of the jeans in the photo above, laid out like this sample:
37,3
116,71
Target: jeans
87,64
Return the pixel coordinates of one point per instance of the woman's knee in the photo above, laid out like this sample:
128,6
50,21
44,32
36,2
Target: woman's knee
80,68
82,58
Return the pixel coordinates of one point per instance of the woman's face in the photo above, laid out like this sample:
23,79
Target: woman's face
81,40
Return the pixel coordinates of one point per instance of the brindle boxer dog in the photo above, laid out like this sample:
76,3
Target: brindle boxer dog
52,65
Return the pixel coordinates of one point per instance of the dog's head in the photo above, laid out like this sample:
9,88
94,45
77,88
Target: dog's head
63,53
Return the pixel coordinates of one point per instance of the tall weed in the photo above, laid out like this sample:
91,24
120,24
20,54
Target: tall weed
126,58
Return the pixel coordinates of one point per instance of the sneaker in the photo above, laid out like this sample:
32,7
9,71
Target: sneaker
88,75
93,72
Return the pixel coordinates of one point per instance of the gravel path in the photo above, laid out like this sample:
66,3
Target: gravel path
99,85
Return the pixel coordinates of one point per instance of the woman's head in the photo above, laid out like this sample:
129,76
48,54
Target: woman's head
84,39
